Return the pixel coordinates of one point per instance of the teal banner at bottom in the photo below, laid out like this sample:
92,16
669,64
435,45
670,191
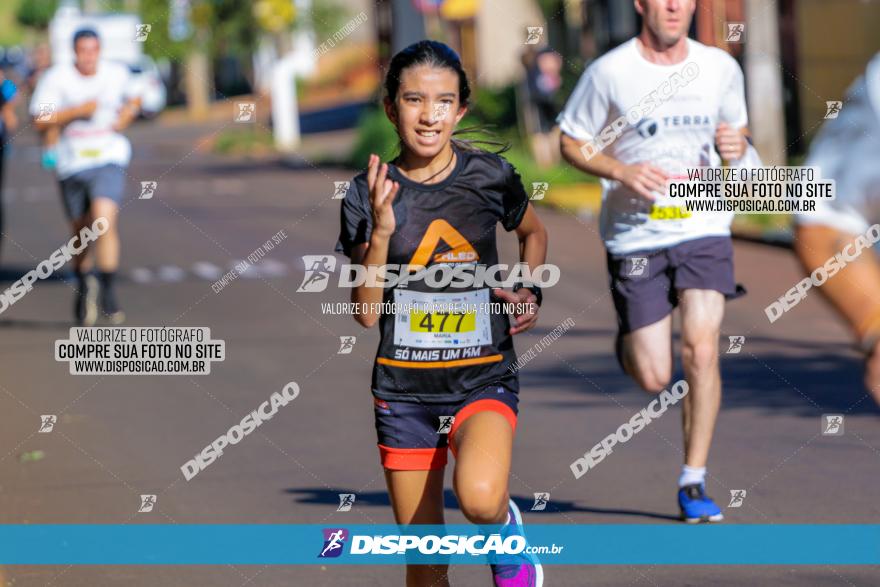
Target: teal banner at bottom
562,544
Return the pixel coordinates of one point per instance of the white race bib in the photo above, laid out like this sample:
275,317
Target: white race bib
442,320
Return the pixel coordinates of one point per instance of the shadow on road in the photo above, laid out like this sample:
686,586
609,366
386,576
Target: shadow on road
10,274
806,379
327,497
37,324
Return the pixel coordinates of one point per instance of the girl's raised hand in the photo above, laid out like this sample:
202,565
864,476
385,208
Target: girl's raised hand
382,193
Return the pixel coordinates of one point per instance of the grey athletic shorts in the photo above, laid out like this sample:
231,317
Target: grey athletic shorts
645,284
78,190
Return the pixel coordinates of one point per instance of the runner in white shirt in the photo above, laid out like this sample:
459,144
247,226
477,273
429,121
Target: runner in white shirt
642,114
91,102
847,150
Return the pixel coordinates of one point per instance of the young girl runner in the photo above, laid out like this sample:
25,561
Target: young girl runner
442,379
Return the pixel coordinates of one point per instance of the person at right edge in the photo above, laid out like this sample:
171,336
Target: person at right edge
847,150
690,101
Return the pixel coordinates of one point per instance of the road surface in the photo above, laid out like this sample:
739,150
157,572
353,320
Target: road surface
119,437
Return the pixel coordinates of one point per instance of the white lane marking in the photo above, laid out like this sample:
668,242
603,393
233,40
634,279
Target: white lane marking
207,271
171,273
272,268
141,275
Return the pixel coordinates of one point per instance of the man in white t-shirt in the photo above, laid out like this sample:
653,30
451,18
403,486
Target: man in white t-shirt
91,102
642,114
847,150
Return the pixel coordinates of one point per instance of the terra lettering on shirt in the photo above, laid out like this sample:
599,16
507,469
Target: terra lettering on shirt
425,358
87,143
678,110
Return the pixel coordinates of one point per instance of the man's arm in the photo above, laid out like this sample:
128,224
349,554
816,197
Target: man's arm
733,143
642,178
732,136
62,118
127,114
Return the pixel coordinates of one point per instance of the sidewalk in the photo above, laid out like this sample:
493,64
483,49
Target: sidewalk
325,147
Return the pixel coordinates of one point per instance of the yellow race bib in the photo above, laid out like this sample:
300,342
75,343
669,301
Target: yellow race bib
669,212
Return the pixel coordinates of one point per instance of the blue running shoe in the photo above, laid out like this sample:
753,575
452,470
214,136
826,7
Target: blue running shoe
696,506
524,570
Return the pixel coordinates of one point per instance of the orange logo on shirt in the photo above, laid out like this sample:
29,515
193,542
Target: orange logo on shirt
461,250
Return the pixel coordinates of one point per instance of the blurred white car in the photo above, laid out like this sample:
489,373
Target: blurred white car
153,92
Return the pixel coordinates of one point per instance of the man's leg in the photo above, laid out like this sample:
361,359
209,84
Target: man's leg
82,263
853,291
701,314
107,258
76,204
647,355
86,305
107,245
640,287
704,278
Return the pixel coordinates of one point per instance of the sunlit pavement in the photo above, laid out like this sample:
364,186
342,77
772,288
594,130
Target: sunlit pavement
118,437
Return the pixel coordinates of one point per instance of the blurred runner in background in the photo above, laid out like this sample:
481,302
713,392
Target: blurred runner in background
847,150
689,101
90,103
40,62
8,127
542,83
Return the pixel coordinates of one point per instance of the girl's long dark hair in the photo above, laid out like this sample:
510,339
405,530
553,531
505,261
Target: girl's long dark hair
437,54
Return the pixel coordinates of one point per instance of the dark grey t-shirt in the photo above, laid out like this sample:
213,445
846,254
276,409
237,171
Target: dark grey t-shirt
437,357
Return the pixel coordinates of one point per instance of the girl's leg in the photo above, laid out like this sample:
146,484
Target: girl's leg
417,498
483,445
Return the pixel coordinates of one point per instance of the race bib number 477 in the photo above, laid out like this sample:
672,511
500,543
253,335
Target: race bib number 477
442,320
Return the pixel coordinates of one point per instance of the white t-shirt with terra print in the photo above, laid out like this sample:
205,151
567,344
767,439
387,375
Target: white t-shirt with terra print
87,143
677,132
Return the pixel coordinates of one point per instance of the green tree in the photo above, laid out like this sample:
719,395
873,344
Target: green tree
220,28
36,13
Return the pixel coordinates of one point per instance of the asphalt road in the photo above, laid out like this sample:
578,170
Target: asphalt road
119,437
